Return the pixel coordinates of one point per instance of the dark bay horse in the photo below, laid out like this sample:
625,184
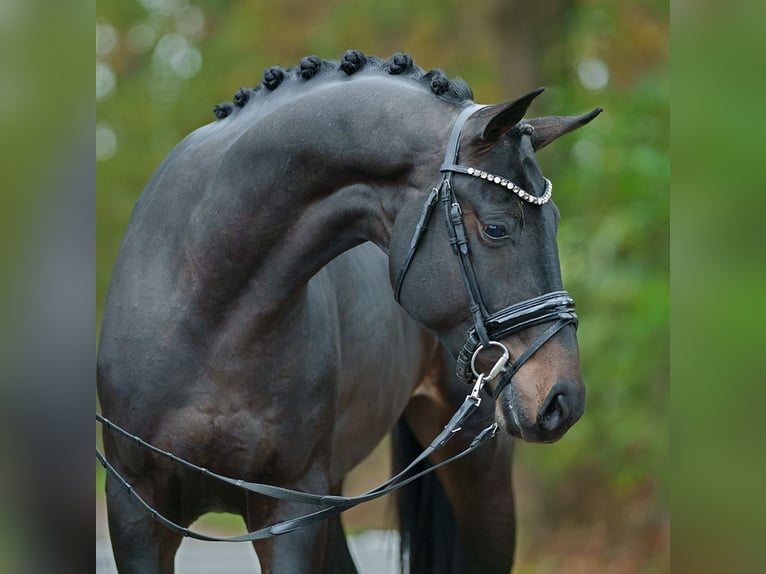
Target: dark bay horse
250,325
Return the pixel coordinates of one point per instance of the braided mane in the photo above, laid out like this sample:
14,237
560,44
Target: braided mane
454,91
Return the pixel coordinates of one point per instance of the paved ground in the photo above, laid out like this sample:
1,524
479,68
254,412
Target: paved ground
375,552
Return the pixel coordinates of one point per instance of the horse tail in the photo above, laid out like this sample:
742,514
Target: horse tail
429,538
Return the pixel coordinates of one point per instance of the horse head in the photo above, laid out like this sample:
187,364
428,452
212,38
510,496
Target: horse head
499,221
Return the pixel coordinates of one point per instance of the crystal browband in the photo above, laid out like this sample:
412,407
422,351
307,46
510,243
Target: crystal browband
528,197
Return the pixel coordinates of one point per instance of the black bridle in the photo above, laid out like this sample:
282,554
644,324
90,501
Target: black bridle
556,307
488,329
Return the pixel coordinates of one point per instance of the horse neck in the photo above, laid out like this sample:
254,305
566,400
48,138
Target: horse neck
314,178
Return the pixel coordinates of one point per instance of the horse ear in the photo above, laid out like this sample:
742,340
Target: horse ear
552,127
499,119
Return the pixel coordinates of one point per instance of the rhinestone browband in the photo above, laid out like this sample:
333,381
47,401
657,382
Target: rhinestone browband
506,183
513,187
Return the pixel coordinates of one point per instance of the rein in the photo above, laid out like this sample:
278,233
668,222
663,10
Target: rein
331,505
557,307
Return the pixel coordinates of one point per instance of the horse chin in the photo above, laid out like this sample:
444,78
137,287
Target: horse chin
511,417
518,431
510,426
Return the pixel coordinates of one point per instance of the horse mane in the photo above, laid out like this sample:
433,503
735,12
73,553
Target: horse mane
451,90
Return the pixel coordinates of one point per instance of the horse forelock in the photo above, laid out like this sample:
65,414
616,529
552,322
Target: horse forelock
451,90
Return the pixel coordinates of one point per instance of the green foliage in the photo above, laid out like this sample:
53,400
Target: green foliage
612,187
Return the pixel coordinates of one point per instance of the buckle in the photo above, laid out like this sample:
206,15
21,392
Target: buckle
499,365
477,389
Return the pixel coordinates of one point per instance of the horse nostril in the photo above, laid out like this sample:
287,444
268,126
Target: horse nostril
556,412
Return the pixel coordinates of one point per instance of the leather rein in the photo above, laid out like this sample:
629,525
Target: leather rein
557,307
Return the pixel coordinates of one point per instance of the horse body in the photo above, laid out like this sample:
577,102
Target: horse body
245,358
249,325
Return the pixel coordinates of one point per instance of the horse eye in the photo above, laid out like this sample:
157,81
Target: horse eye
494,231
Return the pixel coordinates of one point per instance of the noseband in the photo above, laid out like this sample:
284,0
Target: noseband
488,329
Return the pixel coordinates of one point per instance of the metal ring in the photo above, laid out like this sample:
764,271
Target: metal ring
499,365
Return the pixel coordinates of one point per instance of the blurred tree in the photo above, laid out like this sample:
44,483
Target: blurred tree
524,33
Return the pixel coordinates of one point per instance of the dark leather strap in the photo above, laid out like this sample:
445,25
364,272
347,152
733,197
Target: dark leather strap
528,352
557,305
459,241
458,238
547,307
450,156
454,168
453,143
420,229
332,504
291,525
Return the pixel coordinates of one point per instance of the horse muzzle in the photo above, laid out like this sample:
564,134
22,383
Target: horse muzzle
559,409
537,385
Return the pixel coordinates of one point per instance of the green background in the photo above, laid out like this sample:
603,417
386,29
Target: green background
597,501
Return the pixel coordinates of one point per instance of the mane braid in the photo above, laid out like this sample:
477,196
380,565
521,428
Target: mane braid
455,91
